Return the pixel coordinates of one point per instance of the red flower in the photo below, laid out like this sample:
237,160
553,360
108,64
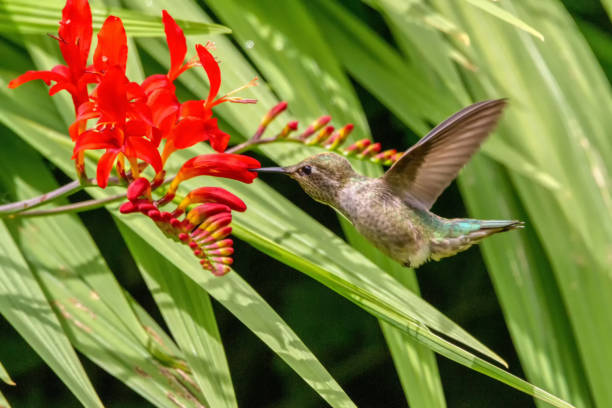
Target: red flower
214,78
132,119
177,45
195,125
212,195
195,122
122,126
112,47
159,88
233,166
74,37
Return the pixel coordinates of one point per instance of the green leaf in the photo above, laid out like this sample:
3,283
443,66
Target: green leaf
608,6
563,101
498,12
24,305
188,312
242,301
3,402
42,18
526,289
418,11
4,376
409,357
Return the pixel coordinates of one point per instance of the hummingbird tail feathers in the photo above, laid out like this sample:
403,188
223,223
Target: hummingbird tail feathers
502,225
480,229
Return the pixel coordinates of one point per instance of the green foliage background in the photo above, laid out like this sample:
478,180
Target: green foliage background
539,298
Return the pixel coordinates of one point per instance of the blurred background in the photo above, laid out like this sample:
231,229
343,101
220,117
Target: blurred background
348,342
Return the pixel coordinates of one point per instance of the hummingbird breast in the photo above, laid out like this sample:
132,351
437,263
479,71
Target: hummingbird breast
386,220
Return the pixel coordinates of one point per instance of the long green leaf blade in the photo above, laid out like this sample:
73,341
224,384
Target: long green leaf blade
24,305
498,12
29,18
568,96
188,312
4,376
3,402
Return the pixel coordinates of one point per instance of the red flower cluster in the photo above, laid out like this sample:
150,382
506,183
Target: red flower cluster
135,122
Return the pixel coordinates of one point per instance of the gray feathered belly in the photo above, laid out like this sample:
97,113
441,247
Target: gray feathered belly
390,225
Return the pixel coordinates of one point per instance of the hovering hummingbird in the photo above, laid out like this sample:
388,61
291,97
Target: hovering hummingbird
393,211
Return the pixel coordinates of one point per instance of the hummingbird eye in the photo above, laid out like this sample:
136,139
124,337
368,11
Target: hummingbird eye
305,170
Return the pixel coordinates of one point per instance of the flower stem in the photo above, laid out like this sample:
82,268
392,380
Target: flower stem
63,191
251,143
70,208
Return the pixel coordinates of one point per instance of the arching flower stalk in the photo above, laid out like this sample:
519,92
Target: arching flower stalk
319,134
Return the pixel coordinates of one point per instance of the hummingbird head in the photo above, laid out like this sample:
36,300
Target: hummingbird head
321,176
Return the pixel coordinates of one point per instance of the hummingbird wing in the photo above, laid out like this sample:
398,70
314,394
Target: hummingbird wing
429,166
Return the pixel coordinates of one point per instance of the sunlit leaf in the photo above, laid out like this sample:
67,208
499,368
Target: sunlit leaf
41,18
188,312
24,305
4,376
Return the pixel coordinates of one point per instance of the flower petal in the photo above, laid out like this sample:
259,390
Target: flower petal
75,35
94,139
85,112
177,45
111,96
233,166
213,195
137,188
46,76
195,108
136,128
218,138
212,71
188,132
112,45
155,82
144,150
105,165
140,112
164,108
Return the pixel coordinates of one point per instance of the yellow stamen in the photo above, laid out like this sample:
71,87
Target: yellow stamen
134,167
252,82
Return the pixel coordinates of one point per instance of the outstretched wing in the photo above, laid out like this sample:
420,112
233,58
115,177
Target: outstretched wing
429,166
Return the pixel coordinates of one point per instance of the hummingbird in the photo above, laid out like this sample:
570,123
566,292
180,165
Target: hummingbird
393,211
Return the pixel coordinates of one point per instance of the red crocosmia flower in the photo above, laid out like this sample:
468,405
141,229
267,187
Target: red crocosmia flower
233,166
214,78
120,129
163,103
213,195
195,122
177,45
195,125
112,49
159,88
74,37
214,75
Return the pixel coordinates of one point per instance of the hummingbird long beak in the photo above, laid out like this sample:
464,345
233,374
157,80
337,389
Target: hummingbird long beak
270,170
